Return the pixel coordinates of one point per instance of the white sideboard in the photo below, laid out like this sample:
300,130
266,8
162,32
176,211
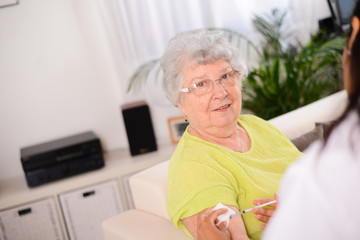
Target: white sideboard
72,208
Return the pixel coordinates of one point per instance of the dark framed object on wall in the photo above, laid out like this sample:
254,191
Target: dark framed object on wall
177,126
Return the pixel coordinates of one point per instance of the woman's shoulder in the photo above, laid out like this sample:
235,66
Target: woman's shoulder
193,152
261,132
251,118
255,122
191,149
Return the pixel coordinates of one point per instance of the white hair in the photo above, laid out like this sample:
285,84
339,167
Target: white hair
203,47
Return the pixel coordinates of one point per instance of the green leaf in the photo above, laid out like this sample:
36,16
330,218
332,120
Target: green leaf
142,74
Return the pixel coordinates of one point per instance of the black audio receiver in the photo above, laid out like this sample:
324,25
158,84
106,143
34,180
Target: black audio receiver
61,158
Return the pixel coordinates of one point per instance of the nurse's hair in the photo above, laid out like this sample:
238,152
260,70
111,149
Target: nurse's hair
195,47
353,55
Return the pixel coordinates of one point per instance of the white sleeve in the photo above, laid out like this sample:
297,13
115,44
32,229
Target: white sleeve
319,193
298,212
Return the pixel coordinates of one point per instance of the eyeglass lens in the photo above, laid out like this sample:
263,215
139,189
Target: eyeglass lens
226,80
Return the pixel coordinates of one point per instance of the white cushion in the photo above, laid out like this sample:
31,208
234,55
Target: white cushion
149,189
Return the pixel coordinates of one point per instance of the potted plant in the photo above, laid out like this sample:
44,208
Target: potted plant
290,76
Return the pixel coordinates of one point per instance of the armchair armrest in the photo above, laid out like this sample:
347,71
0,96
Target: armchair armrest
136,224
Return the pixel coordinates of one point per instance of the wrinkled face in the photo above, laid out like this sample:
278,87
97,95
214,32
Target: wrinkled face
217,110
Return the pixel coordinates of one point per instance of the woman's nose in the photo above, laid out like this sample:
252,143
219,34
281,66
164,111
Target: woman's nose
219,90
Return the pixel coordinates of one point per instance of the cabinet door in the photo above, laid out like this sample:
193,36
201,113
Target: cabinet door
85,209
33,221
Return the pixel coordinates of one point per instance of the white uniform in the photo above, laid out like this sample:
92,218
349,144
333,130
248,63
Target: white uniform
320,193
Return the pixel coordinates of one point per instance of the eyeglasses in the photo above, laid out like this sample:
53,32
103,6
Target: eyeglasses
205,86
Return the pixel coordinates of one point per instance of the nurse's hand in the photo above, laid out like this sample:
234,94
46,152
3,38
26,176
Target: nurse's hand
264,214
207,230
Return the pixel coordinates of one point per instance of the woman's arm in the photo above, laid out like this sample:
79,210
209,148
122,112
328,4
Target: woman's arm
236,226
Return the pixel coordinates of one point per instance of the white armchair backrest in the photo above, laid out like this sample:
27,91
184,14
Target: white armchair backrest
149,189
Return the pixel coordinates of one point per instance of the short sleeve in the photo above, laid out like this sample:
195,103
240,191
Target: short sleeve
195,186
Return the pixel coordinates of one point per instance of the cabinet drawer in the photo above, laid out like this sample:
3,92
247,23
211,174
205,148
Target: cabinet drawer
37,220
85,209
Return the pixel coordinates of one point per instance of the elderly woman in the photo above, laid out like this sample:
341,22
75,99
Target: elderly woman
223,156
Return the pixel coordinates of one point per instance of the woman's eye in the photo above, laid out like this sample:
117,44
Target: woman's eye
225,76
201,84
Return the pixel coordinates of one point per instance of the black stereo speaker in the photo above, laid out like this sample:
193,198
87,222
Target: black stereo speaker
139,129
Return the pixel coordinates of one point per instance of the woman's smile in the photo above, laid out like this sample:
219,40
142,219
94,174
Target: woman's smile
223,108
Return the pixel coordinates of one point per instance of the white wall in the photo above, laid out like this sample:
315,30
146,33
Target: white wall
58,78
306,14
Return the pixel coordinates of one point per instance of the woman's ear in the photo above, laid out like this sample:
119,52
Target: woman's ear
182,108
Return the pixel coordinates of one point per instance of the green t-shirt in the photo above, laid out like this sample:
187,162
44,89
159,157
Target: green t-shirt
202,174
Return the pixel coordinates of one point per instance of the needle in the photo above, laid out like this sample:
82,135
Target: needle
258,206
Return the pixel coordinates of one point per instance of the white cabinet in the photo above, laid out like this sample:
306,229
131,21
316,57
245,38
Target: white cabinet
85,209
80,203
33,221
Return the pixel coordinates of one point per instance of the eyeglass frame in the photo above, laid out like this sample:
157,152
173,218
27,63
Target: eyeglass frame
193,86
